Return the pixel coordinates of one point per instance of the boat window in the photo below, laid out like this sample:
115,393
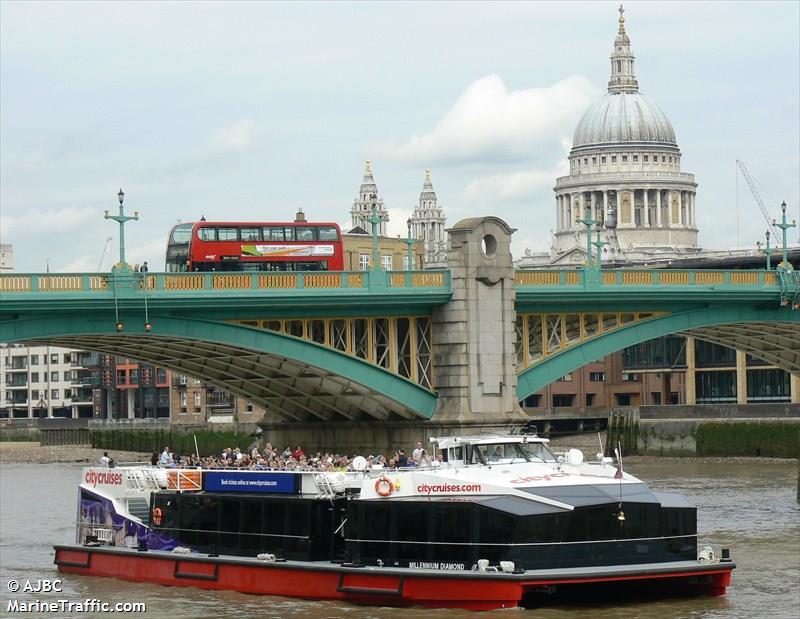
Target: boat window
507,453
537,451
479,454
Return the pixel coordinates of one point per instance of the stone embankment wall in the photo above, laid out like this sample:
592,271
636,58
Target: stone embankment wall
761,430
771,431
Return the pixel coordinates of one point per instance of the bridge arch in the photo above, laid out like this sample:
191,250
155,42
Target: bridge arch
777,340
289,377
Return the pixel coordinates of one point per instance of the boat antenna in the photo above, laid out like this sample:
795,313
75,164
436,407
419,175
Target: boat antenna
196,449
602,449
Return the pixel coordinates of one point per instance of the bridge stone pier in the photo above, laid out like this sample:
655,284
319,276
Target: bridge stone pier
473,334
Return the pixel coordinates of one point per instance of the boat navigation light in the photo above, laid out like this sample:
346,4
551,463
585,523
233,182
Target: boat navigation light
621,516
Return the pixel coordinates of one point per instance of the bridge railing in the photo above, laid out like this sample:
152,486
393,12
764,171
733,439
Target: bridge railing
650,277
328,280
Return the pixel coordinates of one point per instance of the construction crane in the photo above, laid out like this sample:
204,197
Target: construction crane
754,191
103,255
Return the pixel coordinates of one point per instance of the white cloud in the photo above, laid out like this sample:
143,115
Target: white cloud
488,120
234,139
79,264
514,185
154,252
397,225
47,224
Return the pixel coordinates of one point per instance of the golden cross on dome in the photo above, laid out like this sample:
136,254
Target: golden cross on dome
621,19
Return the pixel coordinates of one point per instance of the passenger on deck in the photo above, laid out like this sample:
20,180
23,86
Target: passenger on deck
166,457
424,460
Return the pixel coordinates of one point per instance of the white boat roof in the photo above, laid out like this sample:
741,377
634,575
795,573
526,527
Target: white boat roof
486,439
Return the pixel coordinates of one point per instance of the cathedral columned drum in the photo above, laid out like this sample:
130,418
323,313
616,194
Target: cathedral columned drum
625,174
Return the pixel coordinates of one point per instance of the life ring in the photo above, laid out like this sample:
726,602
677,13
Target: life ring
384,486
158,516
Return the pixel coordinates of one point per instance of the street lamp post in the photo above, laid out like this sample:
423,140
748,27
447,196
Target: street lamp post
410,242
121,218
375,219
784,227
599,245
589,221
767,252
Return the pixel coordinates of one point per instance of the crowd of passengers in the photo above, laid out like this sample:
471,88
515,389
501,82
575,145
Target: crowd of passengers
271,458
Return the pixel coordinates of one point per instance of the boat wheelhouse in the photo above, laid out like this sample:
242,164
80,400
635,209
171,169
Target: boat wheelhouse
497,521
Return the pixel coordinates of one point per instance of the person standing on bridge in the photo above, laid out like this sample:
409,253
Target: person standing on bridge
144,268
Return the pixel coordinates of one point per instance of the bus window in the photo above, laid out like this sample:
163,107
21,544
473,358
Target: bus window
328,233
207,234
304,234
250,234
273,233
288,234
227,234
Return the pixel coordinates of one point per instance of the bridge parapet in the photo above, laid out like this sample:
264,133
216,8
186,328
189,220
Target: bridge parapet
645,277
197,282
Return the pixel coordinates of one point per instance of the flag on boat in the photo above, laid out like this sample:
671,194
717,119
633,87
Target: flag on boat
618,474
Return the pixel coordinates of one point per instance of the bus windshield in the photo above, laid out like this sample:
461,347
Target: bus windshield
182,233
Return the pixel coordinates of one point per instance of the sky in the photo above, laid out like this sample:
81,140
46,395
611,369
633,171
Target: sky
249,111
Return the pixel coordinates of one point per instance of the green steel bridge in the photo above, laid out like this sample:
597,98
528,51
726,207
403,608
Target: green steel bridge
363,345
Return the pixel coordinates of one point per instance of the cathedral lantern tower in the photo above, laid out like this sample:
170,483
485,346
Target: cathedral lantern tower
366,199
428,226
625,170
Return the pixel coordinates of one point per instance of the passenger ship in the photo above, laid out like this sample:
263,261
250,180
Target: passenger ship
501,522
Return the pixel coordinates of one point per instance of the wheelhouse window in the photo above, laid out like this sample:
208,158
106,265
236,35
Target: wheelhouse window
509,453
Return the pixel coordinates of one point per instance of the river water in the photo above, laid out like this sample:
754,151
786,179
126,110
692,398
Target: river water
749,507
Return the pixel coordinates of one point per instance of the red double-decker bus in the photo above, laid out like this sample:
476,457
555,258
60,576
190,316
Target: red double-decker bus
248,246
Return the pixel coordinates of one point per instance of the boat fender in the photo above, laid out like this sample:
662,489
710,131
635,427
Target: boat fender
384,486
158,516
266,556
706,555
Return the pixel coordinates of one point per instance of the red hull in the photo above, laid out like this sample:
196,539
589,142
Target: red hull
469,590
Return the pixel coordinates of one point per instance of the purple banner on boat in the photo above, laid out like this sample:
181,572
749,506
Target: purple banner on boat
98,517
